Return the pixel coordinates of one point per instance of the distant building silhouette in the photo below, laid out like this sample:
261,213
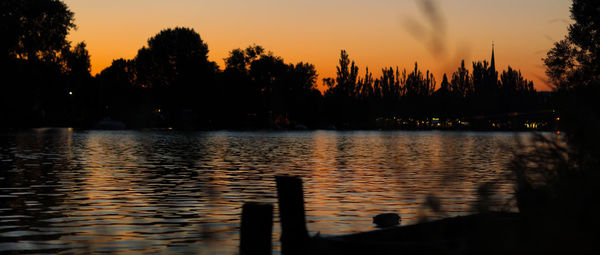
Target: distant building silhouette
493,61
493,78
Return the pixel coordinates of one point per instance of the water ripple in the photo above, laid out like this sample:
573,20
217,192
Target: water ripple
168,192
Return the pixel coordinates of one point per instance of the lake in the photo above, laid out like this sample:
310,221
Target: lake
177,192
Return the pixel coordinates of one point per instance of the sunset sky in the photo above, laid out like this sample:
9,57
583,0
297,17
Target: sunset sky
376,33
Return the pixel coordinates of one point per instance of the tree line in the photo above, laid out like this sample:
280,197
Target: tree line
172,83
406,98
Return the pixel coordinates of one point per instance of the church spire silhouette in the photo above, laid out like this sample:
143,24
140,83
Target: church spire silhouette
493,62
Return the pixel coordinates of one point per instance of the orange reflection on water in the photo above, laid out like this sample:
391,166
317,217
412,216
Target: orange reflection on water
170,192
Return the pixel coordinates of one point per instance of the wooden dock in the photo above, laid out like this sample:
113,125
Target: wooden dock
484,233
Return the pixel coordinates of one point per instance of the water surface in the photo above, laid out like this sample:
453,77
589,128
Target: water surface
63,191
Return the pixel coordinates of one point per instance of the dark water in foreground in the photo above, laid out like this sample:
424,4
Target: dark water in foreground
169,192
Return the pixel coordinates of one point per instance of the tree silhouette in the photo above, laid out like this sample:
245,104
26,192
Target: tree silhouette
267,76
33,40
557,179
265,92
460,84
301,94
176,68
171,82
241,96
518,93
365,89
485,94
175,57
572,66
390,88
347,75
419,85
512,80
77,60
35,29
78,83
120,97
339,98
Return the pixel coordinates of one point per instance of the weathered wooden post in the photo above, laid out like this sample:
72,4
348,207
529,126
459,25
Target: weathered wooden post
256,229
294,235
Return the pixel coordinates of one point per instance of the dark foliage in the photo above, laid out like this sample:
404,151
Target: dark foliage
557,177
171,83
262,91
401,99
39,68
180,78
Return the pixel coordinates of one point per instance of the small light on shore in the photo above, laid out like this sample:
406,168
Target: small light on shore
71,93
170,128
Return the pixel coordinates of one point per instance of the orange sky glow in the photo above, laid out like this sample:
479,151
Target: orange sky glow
376,33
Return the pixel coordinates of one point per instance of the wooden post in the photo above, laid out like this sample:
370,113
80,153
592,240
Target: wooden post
294,235
256,229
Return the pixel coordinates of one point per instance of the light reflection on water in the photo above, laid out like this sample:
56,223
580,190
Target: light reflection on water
163,192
